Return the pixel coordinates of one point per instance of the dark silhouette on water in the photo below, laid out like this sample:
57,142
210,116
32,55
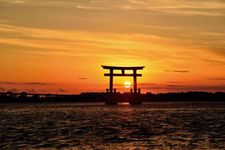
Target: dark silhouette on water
9,97
112,96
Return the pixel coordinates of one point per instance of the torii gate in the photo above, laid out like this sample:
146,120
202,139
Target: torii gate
111,74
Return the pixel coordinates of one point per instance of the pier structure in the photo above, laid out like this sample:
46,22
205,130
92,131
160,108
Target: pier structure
112,98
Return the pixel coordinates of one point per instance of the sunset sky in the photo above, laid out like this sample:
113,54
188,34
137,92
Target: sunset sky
58,46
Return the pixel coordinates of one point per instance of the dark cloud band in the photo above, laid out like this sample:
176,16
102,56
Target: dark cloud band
26,83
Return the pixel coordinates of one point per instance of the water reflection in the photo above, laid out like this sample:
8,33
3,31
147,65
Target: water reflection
111,127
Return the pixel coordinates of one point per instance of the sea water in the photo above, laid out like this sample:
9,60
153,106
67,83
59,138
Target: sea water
97,126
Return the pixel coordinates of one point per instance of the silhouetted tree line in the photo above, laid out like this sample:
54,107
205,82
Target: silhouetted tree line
10,97
186,96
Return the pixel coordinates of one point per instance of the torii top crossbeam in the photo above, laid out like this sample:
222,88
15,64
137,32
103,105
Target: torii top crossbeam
123,68
111,74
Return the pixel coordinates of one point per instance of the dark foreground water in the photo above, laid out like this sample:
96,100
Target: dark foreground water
96,126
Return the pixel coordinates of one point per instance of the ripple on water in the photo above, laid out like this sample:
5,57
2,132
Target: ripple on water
101,127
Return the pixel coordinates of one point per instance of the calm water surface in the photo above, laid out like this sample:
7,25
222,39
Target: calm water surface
96,126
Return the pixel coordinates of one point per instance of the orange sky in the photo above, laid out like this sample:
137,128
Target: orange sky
59,46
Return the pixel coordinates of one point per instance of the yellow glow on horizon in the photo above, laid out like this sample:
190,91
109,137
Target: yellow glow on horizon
127,84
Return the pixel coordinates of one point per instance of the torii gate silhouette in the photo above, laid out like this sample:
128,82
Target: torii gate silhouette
123,73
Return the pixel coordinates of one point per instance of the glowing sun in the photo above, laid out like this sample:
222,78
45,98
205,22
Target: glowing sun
127,84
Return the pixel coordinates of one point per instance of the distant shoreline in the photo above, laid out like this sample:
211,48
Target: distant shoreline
9,97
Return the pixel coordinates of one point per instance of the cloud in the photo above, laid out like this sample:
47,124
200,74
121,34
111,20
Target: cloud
175,82
8,83
87,43
177,31
177,71
204,88
2,89
27,83
83,78
13,1
222,79
62,90
37,83
180,87
139,2
200,8
215,61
